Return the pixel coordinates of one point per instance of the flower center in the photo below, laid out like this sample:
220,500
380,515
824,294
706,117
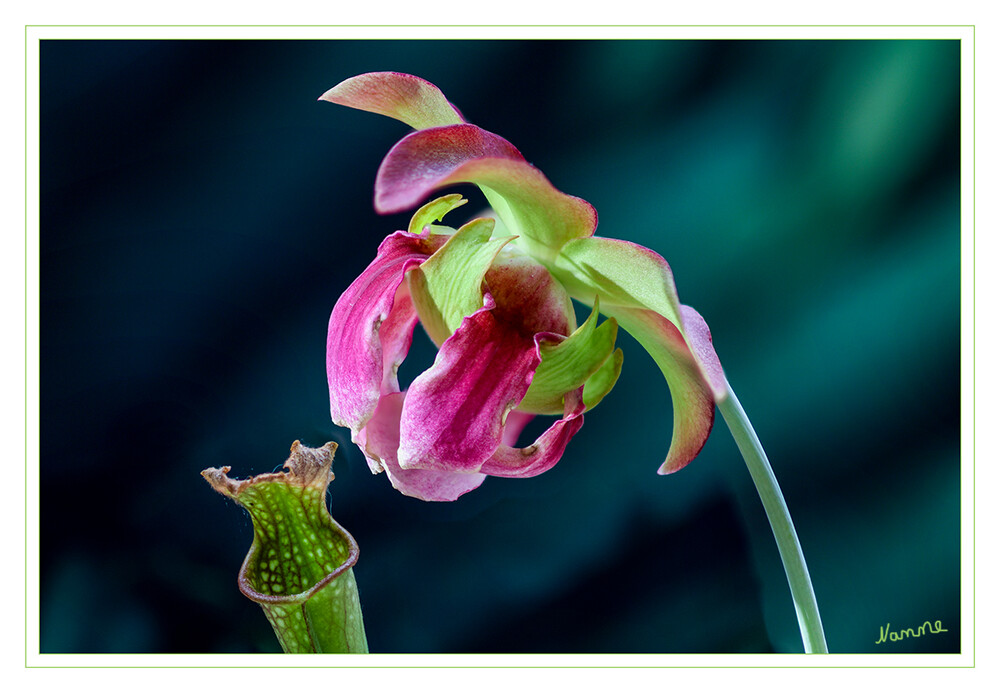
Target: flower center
527,297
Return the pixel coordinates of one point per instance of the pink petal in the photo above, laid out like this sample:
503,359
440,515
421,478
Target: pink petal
396,334
521,195
415,101
424,160
547,449
699,340
379,440
454,412
370,330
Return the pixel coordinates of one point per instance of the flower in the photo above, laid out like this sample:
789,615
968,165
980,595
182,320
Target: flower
495,296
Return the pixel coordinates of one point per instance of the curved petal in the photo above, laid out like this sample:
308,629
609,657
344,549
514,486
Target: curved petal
414,101
370,330
693,403
626,275
547,449
454,412
379,440
521,195
635,286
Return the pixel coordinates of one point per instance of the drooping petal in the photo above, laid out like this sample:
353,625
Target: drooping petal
414,101
693,402
369,331
379,440
636,286
521,195
454,412
623,274
449,285
543,454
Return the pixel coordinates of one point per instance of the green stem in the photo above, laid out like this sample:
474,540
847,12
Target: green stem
803,596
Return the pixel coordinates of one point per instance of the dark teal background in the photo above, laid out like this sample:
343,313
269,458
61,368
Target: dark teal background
201,212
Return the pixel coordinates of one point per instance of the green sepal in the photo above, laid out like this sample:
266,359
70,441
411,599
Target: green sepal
299,567
620,273
435,211
448,286
601,382
568,364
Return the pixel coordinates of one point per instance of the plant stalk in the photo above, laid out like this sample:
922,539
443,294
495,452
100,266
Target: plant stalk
806,609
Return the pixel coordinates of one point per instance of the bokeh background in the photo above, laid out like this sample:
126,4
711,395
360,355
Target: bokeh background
201,212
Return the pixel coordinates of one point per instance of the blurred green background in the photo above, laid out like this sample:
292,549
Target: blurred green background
201,212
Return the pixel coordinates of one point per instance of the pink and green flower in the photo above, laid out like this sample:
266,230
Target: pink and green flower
496,297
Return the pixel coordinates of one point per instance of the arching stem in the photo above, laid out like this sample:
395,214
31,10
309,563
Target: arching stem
794,562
